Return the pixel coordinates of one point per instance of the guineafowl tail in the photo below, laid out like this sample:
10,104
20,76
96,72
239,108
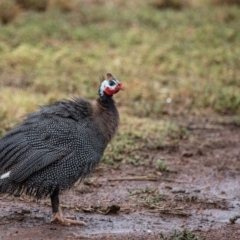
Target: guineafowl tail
45,189
6,186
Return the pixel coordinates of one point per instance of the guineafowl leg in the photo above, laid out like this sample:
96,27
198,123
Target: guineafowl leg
57,212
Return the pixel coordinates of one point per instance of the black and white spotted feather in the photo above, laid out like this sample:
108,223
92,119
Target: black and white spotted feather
55,146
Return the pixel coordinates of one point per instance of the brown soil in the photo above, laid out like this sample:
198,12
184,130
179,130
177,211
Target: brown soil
200,193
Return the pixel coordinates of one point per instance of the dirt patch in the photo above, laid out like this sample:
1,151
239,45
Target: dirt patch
199,192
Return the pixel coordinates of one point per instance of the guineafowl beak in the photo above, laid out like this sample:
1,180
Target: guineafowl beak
120,87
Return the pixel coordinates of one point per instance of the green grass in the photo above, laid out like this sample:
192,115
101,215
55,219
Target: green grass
139,135
181,235
162,166
171,62
190,56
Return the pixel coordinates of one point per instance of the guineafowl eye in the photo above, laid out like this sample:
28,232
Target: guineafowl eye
112,83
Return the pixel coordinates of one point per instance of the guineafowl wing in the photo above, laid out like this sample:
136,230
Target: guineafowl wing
48,139
35,162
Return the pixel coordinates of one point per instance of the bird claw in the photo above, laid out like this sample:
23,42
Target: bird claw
75,222
66,221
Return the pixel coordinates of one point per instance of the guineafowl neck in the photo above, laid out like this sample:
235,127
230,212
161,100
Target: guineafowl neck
106,117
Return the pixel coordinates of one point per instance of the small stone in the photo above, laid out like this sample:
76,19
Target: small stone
178,191
53,228
187,154
197,191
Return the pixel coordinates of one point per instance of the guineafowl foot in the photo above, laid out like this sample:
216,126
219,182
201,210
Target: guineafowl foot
57,212
58,217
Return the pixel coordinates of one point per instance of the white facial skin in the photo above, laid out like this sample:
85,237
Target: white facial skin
108,83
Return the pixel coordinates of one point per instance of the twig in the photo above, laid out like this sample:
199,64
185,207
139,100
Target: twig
173,180
135,178
207,127
176,211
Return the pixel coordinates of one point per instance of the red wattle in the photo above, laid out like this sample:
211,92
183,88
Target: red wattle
109,91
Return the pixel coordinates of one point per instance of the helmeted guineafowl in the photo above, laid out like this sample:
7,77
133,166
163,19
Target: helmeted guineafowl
58,145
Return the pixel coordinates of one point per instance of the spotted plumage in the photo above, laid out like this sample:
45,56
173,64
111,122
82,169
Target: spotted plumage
58,145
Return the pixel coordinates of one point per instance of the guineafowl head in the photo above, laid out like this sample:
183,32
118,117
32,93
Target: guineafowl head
109,86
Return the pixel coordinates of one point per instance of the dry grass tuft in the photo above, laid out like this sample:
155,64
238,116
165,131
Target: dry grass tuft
169,4
226,2
38,5
8,11
63,5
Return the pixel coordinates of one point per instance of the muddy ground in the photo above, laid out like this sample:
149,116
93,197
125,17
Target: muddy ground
200,192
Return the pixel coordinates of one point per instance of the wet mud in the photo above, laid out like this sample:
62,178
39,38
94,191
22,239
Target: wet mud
200,192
